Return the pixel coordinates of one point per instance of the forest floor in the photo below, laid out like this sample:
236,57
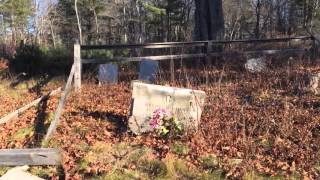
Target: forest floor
254,126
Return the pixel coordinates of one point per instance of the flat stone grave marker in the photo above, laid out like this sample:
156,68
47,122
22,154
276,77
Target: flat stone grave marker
148,70
108,73
185,104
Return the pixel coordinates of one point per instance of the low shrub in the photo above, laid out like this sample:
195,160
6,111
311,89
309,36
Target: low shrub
33,59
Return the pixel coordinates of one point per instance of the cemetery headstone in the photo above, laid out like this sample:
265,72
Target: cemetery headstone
148,70
256,64
314,83
185,104
108,73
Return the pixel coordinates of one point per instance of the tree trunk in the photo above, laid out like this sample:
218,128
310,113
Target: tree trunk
258,12
209,20
13,29
96,21
209,26
292,18
52,34
78,20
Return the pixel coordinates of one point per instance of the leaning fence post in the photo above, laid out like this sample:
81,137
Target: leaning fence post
77,63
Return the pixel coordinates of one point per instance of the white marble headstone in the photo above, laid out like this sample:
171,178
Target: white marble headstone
185,104
108,73
148,70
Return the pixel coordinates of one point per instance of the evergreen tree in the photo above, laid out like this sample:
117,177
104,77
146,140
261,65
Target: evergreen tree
17,13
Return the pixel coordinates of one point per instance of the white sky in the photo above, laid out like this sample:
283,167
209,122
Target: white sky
43,4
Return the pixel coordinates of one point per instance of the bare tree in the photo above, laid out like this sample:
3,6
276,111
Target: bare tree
78,20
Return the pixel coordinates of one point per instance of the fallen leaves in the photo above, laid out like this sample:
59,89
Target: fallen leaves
252,122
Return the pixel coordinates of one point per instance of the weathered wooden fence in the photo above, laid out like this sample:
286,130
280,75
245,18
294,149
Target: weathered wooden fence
206,46
14,157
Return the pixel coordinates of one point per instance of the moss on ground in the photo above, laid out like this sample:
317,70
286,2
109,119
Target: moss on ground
180,149
21,134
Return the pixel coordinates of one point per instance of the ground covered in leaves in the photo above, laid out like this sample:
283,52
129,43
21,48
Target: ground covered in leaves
254,126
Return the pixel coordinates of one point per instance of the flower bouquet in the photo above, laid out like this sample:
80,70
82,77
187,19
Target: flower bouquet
165,124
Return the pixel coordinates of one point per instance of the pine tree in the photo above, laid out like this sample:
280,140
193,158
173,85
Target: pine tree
17,14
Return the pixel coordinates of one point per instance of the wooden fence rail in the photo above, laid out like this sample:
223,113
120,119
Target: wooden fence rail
59,110
14,157
190,44
16,113
36,157
186,56
208,52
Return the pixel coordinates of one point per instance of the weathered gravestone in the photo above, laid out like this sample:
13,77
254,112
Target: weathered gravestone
314,83
185,104
256,64
148,70
108,73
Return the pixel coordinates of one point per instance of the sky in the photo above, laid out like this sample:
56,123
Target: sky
43,4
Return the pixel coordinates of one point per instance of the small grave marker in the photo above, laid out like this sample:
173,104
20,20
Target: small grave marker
256,65
108,73
148,70
185,104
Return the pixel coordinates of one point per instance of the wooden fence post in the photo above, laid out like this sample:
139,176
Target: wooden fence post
172,70
208,60
172,78
314,48
77,64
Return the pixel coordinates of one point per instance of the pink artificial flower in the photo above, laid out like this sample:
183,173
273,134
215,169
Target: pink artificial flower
160,113
157,117
154,123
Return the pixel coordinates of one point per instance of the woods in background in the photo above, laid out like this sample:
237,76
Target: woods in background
137,21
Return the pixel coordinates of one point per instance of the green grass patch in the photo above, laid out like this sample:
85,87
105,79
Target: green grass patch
98,154
136,155
210,162
21,134
44,172
50,143
178,169
121,175
180,149
217,174
154,168
121,149
5,90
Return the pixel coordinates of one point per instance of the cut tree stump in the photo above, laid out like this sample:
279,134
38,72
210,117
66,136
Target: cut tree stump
34,157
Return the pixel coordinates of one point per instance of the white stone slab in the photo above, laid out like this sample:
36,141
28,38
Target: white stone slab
108,73
148,70
185,104
18,173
